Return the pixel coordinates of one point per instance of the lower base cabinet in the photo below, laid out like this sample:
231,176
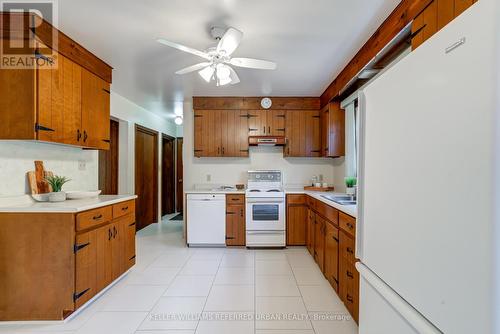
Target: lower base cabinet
330,241
56,262
235,220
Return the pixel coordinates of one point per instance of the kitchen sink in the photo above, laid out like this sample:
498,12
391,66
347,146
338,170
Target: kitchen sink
342,200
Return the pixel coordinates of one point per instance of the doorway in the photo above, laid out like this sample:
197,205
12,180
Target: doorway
168,175
146,176
108,163
180,175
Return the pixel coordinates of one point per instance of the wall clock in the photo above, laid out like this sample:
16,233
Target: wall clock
266,103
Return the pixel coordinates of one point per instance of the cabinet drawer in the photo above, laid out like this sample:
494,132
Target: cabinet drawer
235,199
296,199
330,213
123,208
346,248
347,223
88,219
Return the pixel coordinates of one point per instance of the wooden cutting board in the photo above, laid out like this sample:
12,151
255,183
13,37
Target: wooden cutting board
36,179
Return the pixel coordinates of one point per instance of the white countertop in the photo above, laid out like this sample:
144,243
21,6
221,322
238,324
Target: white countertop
23,204
351,210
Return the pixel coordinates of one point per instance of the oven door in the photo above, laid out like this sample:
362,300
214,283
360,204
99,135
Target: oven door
265,214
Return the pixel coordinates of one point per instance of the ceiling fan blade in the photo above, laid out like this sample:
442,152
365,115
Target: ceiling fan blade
183,48
253,63
230,41
193,68
234,76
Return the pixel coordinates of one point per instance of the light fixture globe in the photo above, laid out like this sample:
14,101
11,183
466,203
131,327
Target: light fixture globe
178,120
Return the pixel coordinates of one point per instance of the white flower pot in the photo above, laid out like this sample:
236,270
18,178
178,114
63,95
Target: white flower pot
351,191
57,196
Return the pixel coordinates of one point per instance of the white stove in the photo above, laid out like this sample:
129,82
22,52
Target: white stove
265,209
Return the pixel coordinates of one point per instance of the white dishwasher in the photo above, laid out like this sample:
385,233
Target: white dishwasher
206,220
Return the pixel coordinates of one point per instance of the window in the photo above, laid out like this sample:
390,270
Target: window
351,138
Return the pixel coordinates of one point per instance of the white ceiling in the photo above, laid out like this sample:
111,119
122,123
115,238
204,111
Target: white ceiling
311,40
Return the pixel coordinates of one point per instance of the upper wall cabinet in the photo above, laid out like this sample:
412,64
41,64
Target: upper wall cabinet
266,122
220,133
303,133
434,17
58,99
333,131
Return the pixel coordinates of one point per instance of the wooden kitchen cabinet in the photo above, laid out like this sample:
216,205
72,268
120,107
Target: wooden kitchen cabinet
319,241
311,217
220,133
434,17
235,220
266,122
57,263
61,99
332,255
348,275
296,220
333,131
303,133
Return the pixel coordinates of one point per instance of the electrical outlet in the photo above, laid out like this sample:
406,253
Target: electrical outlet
209,177
82,165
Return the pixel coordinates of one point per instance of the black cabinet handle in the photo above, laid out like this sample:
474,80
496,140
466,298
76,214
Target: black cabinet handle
109,234
349,298
85,136
264,129
349,250
269,130
114,232
78,135
349,274
218,150
132,224
97,217
125,208
336,239
222,150
241,213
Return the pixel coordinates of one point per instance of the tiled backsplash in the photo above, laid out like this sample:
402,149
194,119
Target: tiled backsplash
17,158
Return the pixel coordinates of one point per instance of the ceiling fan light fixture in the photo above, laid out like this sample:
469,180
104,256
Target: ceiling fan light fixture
178,120
207,73
223,72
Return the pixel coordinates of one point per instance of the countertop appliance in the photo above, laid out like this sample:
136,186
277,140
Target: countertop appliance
206,220
265,209
426,243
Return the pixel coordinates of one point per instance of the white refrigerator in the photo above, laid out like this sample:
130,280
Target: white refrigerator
427,195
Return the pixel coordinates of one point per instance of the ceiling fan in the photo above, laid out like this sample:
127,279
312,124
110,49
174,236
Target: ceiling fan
218,58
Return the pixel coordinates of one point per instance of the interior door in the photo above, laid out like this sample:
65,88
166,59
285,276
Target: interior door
108,163
168,175
180,176
146,176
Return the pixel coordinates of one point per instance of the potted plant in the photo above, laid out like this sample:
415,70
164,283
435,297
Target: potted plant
56,182
350,183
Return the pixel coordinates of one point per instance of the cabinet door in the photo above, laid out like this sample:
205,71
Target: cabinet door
95,111
310,231
276,122
297,220
336,131
234,129
319,242
50,111
257,122
72,102
104,262
129,251
426,24
332,255
118,247
295,133
207,134
349,287
313,133
86,267
325,128
235,225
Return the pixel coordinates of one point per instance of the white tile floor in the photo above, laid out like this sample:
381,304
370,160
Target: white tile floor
177,290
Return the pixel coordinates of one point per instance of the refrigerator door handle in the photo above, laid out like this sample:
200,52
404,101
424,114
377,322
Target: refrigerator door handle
361,175
412,316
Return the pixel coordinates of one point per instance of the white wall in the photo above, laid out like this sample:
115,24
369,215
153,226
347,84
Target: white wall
17,158
297,171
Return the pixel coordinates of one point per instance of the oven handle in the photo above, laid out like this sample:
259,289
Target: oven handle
265,232
265,200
